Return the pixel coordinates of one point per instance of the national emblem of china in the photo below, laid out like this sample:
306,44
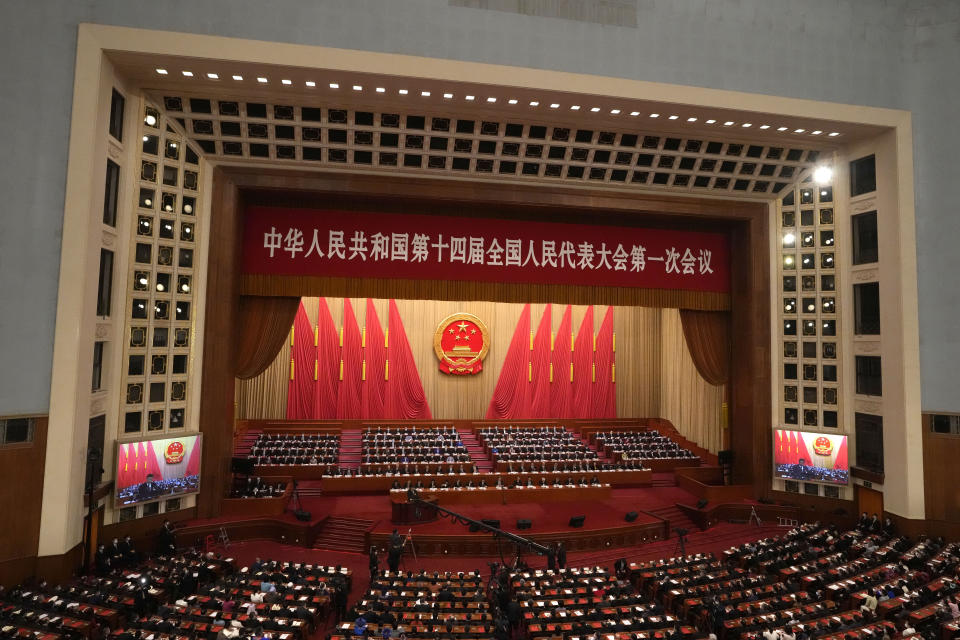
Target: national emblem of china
822,446
174,452
461,343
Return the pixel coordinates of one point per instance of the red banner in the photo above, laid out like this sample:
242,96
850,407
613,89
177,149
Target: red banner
421,247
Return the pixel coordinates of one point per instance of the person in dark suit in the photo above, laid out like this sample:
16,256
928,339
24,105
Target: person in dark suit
561,556
374,563
552,557
148,490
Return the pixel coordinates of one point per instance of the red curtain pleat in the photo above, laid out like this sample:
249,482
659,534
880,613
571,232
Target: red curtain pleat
511,396
583,368
374,356
405,399
604,390
540,369
560,388
328,364
141,465
151,465
351,362
122,472
302,389
841,461
802,449
193,462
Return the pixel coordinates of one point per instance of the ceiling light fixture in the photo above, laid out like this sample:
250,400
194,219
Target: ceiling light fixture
615,112
403,92
238,77
188,74
673,117
594,109
262,80
634,113
334,85
162,72
470,97
574,107
691,119
728,123
834,134
747,125
358,87
286,82
448,95
425,94
799,130
764,126
816,133
381,89
710,121
823,174
534,103
781,128
512,101
213,76
310,83
654,115
491,99
555,105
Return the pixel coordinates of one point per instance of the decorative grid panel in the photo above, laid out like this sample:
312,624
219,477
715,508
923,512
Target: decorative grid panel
333,136
160,279
809,297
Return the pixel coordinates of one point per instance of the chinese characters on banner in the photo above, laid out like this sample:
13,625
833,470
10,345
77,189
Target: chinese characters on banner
372,245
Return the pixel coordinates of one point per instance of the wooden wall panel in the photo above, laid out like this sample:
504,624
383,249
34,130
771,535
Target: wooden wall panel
21,476
941,474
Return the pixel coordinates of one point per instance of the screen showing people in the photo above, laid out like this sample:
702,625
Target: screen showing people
811,457
152,469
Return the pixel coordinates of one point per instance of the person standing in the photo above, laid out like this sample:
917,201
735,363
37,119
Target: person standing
374,563
561,556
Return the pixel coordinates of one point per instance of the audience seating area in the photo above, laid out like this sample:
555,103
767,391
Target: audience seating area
409,449
288,449
630,446
257,487
512,445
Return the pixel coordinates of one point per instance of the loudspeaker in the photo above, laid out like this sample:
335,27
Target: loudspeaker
702,503
577,521
631,516
524,524
725,457
242,465
303,516
491,523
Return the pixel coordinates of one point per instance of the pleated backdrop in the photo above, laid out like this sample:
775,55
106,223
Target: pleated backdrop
655,372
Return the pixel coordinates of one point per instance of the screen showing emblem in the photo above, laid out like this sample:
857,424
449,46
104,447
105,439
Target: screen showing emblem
461,343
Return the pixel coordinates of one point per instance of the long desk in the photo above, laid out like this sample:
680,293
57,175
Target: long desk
520,495
354,484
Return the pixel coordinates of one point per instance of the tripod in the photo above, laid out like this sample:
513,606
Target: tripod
408,539
296,505
681,545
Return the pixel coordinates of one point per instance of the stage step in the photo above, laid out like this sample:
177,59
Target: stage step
343,534
351,448
665,479
675,516
477,454
242,447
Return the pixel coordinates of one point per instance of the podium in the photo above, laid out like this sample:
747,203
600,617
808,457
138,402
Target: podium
408,513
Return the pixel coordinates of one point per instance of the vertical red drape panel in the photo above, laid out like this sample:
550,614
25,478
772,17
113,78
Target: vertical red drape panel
560,386
511,397
540,369
802,450
405,399
140,466
193,462
328,364
374,357
604,390
583,369
121,479
351,363
152,465
302,388
841,461
707,334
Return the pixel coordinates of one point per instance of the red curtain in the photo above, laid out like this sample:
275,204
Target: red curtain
151,465
301,390
841,461
123,468
374,355
351,363
405,399
264,324
511,397
561,390
583,369
604,389
328,364
193,463
140,465
707,334
802,450
540,369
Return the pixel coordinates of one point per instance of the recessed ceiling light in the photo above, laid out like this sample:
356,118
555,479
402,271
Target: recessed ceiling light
654,115
310,83
403,92
448,95
764,126
188,74
357,87
799,130
823,175
691,119
425,94
816,133
834,133
512,101
634,113
470,97
747,125
238,77
781,128
261,79
334,85
286,82
615,111
381,89
162,72
213,76
710,121
491,99
594,109
574,107
555,105
534,103
728,123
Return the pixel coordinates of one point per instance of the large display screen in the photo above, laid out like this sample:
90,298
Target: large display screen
811,457
153,469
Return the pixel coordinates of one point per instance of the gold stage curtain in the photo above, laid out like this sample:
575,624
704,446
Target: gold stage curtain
264,326
707,334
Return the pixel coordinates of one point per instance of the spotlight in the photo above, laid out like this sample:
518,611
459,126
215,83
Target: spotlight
151,119
188,208
159,286
823,174
789,239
